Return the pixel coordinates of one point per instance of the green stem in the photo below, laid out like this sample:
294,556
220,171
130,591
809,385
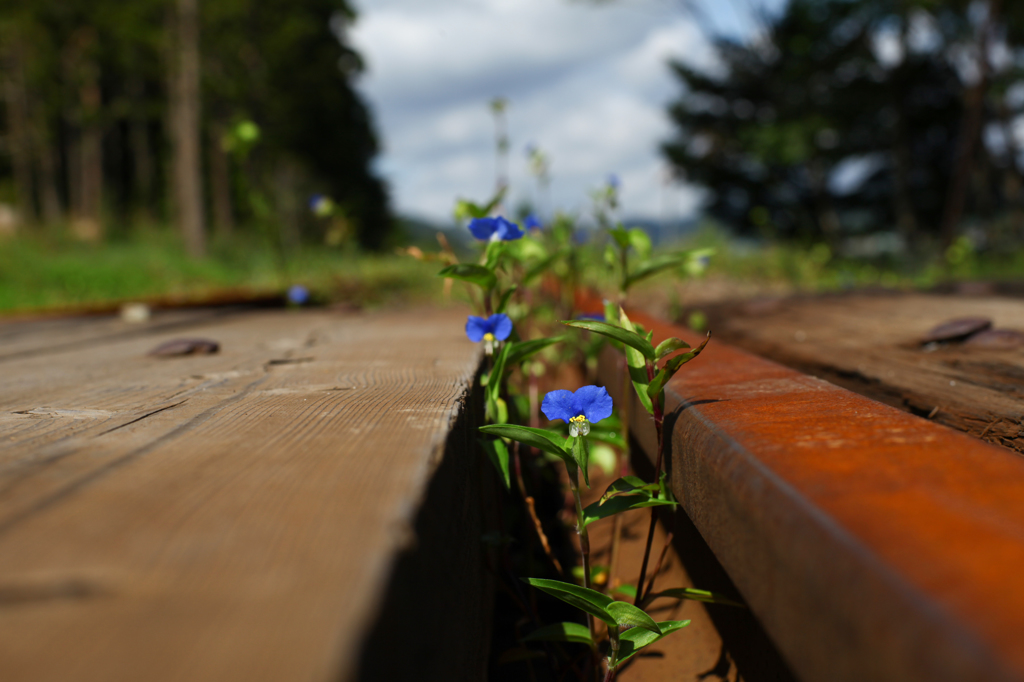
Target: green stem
613,657
659,418
581,529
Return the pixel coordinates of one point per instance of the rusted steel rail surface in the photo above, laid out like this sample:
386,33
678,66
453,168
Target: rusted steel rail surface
870,543
292,507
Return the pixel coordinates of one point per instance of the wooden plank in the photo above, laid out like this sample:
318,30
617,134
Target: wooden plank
20,339
870,344
870,543
227,517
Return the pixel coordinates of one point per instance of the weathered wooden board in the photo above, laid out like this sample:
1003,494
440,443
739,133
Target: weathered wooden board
871,345
223,517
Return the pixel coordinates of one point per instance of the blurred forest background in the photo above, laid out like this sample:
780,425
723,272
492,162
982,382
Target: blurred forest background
899,118
890,131
216,115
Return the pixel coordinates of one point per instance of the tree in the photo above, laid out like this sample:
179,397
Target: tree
841,88
185,127
94,123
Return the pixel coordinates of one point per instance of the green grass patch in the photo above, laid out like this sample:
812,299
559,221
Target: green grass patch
40,271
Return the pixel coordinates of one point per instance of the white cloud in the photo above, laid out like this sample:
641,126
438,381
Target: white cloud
588,85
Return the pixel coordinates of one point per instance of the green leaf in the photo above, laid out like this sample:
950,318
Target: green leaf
528,248
496,378
474,274
629,616
671,367
632,641
561,632
542,439
621,237
628,485
590,601
657,385
493,254
611,312
654,266
524,349
678,361
637,364
616,505
493,203
497,452
467,209
640,241
581,453
669,346
695,595
496,410
629,338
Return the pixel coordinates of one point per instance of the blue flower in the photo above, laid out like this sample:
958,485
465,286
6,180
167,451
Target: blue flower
591,316
532,222
320,205
579,410
490,330
494,228
298,294
613,181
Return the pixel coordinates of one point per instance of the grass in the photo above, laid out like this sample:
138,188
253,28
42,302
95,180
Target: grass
44,271
817,268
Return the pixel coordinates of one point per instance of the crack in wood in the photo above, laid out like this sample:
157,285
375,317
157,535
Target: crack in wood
138,419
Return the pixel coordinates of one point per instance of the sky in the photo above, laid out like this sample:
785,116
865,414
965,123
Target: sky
586,82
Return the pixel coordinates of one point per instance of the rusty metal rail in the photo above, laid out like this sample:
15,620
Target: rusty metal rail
870,543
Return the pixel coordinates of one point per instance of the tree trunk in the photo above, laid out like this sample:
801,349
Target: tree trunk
85,146
90,220
18,130
902,159
184,107
220,182
49,194
970,131
142,155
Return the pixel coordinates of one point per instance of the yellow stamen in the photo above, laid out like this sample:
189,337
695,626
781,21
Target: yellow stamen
489,337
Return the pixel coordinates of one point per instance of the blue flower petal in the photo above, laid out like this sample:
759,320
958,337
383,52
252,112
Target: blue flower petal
476,327
298,294
482,228
558,405
532,222
500,325
507,230
593,402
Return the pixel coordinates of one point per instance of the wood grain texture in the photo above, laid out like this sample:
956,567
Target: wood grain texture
870,344
226,517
